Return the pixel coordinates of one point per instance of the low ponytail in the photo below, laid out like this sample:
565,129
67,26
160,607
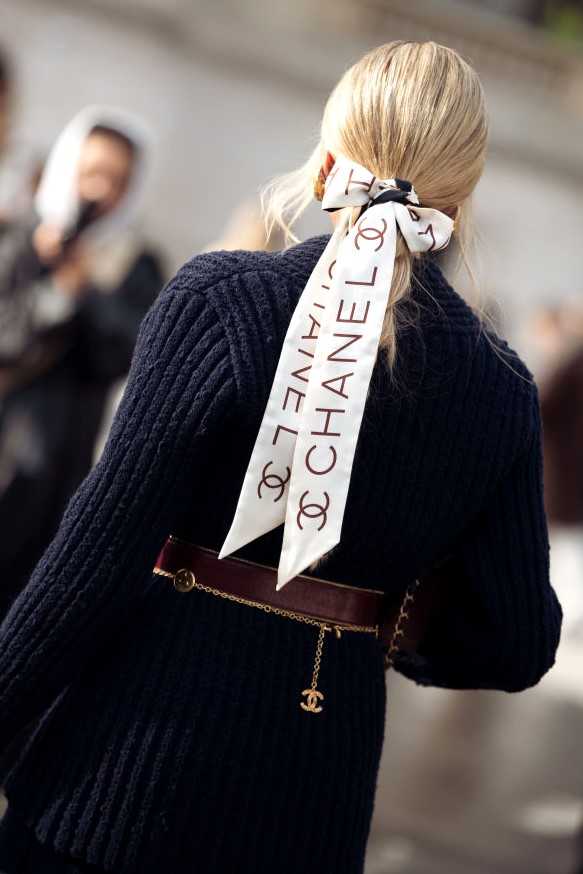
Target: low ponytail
406,110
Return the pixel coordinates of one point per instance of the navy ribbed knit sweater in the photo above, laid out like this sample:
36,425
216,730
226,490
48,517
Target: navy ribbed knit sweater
174,740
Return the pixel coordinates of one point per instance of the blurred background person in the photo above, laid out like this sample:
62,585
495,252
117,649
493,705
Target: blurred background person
19,165
562,411
76,279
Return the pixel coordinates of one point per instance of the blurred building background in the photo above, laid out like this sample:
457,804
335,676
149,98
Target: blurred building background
471,783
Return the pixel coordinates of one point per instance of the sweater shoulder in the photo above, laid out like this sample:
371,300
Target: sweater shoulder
253,296
449,352
439,308
211,270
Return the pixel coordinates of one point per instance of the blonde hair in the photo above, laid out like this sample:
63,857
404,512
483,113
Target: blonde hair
406,110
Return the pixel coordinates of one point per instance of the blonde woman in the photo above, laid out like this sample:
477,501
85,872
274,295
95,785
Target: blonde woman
337,416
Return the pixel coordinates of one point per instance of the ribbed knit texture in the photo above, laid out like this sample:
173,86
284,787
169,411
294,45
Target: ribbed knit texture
175,741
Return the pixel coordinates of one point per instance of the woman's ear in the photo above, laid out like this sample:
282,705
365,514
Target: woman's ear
329,162
320,180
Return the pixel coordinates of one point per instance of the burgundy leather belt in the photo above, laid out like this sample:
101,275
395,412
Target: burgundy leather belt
338,604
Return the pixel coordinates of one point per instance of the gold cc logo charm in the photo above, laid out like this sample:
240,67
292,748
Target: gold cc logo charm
313,696
184,580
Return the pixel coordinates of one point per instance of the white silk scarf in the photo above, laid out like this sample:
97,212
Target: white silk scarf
300,468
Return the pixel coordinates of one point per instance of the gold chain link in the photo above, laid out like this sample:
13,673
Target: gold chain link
318,659
400,624
267,608
312,694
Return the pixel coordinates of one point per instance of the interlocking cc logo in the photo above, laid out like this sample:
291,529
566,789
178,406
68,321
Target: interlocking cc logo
313,510
273,481
313,696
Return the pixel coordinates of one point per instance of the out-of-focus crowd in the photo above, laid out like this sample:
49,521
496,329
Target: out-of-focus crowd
76,279
558,333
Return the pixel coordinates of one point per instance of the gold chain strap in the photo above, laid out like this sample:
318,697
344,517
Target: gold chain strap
185,581
400,624
312,694
267,608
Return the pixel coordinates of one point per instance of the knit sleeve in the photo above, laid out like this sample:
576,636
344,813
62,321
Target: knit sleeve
179,394
497,625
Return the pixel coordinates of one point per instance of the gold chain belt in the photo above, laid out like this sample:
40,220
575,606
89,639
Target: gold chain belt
184,580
